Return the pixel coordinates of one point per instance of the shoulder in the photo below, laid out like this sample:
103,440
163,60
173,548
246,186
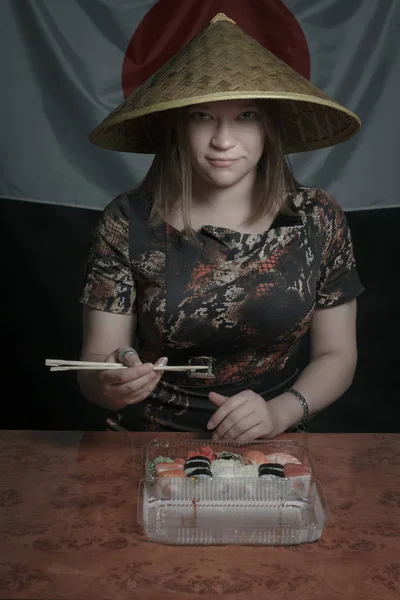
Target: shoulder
127,205
320,208
309,200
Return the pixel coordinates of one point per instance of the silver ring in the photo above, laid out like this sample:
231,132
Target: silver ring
124,351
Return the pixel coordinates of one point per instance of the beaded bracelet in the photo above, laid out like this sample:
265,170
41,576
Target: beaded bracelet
304,404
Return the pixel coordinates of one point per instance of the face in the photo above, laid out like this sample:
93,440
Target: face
225,141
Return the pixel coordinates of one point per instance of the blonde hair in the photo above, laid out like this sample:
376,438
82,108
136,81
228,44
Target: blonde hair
169,178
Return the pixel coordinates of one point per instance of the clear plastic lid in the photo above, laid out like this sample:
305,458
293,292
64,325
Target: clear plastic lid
222,506
232,519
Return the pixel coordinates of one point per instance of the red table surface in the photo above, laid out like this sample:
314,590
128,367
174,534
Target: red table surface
68,526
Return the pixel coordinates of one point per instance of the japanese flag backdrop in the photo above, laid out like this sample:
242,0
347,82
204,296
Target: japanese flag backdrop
67,64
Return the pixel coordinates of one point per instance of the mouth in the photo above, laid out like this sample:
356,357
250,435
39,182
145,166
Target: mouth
219,162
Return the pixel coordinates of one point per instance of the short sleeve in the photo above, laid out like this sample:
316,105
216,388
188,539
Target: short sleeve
338,280
108,280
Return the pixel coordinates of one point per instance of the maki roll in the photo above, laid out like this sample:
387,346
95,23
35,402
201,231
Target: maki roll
202,472
196,462
268,469
272,465
198,458
230,456
205,452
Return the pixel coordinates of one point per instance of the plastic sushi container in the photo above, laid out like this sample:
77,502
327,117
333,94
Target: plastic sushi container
221,510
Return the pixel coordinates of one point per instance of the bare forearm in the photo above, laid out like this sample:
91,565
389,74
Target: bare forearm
89,385
88,382
322,382
103,333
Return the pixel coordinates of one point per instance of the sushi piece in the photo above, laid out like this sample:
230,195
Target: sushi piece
271,478
201,460
208,453
299,479
294,470
196,463
195,467
161,467
164,459
255,456
250,489
282,459
268,469
201,472
172,473
221,467
165,484
204,452
230,456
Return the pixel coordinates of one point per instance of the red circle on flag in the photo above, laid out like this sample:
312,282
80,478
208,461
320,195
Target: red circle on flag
169,25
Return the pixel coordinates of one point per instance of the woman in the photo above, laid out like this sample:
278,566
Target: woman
220,257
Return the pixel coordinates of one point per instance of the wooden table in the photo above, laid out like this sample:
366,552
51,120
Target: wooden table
68,527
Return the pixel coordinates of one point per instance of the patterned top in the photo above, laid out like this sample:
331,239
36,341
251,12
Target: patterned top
242,302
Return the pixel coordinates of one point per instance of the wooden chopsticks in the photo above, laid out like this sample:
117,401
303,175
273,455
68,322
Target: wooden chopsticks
82,365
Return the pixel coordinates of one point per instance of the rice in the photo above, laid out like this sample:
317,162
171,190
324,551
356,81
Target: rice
231,468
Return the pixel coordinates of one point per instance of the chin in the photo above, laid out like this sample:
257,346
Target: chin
225,184
224,180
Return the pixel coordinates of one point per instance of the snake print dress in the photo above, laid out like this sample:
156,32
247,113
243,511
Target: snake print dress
240,303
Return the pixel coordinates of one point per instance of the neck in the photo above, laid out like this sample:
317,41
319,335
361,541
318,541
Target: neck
220,200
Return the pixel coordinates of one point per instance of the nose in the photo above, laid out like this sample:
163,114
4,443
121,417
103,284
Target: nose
223,138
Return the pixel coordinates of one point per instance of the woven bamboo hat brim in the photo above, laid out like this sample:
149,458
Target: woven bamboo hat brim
222,62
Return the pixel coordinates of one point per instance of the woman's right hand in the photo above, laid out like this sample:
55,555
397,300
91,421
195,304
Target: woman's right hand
121,387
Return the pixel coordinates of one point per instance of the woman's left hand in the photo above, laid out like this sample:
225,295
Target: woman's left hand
242,417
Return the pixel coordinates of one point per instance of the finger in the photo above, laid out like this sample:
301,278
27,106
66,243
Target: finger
144,390
231,427
134,386
128,389
121,376
161,362
255,433
142,394
217,399
120,400
225,409
128,356
239,420
256,419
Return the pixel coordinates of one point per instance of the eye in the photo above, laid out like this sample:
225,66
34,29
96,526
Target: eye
199,116
249,115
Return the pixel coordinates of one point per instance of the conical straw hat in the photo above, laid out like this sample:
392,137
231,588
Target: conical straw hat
222,62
